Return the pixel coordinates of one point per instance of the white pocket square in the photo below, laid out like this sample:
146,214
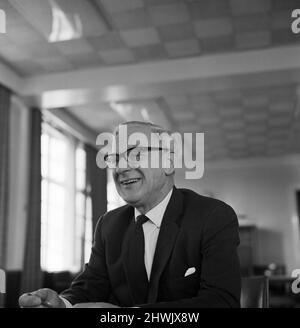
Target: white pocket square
189,271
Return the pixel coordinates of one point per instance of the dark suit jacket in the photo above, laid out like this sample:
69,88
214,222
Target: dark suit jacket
196,231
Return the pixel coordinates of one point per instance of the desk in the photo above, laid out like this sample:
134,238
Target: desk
282,280
281,294
2,300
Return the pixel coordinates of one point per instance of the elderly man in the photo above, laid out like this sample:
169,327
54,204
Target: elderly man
167,247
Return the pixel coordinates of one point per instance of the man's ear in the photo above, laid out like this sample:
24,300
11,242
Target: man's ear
168,163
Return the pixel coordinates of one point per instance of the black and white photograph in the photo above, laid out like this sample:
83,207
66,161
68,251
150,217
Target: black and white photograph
149,157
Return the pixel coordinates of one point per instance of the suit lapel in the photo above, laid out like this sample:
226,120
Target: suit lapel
165,242
125,248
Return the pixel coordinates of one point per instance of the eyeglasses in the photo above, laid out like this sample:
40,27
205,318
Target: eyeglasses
134,156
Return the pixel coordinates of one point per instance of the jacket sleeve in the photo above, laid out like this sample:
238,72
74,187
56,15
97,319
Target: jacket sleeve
92,285
220,281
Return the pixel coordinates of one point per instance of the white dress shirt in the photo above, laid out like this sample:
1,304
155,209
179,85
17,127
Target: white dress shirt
151,231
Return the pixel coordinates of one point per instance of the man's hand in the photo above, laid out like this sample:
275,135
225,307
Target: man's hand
42,298
98,305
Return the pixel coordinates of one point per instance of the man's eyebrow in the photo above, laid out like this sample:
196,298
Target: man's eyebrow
132,148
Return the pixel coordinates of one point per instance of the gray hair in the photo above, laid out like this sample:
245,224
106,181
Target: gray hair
154,127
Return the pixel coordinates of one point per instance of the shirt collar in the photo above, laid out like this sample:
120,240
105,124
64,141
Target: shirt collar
156,213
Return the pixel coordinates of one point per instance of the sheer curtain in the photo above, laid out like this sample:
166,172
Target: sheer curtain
5,96
31,274
97,181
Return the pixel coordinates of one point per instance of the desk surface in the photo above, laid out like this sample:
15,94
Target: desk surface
281,278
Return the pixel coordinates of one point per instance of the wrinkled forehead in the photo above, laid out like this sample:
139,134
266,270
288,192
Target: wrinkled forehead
128,136
135,135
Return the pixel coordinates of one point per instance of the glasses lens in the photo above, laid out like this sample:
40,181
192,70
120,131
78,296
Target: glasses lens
112,160
139,157
134,155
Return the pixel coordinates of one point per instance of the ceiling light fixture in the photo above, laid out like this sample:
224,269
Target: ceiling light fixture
145,114
124,110
64,19
64,27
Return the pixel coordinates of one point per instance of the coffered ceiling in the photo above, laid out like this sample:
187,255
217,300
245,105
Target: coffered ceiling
116,32
228,68
237,123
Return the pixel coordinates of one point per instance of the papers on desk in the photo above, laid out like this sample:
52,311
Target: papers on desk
2,282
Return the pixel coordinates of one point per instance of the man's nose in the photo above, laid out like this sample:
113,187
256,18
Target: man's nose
121,170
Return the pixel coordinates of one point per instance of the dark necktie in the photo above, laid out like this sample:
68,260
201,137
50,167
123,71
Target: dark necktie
136,261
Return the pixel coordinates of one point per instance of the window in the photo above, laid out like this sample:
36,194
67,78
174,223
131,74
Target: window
83,235
66,231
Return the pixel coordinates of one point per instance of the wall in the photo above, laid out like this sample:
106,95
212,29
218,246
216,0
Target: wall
264,192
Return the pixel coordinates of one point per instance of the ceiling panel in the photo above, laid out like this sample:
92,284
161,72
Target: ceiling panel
142,30
77,46
212,28
133,19
169,14
183,48
117,56
150,52
209,9
239,7
176,32
114,6
140,37
97,118
260,21
255,39
108,41
238,123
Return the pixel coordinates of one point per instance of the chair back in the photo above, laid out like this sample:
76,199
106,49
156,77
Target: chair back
255,292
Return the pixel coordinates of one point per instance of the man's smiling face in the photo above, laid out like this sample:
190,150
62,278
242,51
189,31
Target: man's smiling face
141,187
